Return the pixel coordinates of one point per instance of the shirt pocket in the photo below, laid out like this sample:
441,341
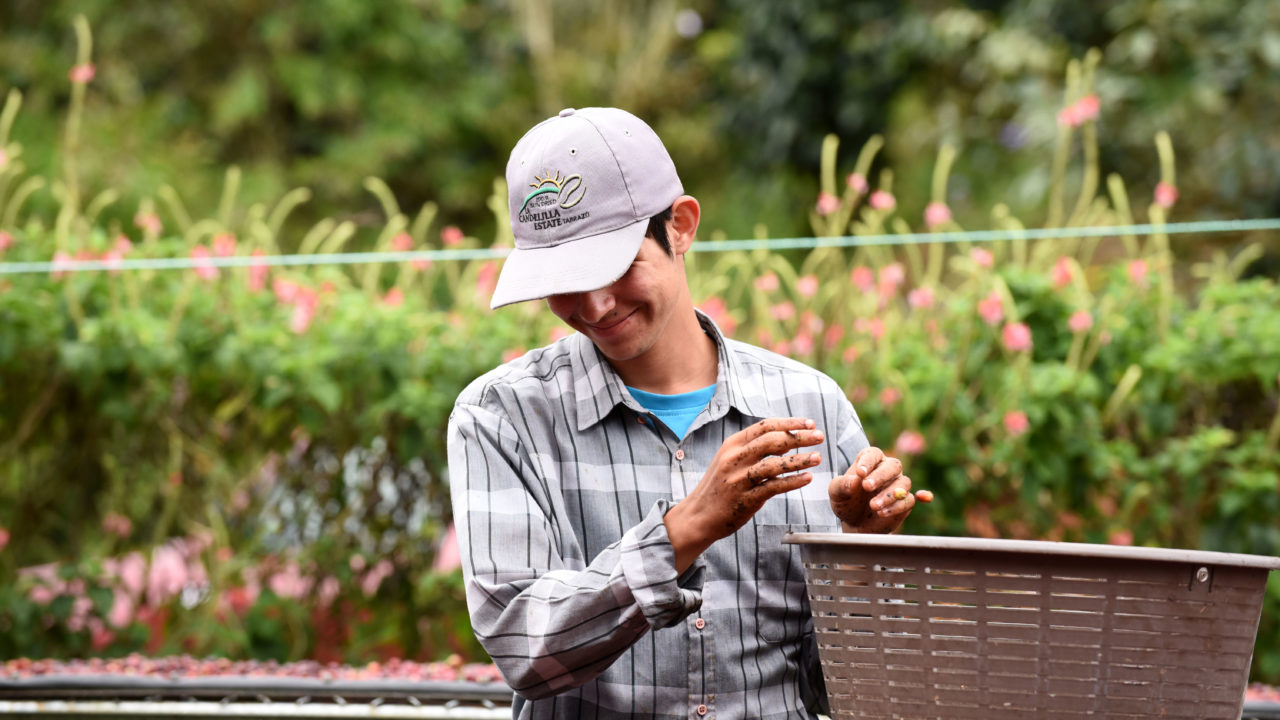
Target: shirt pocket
782,609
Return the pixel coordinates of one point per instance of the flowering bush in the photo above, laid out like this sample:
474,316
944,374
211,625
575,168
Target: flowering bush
249,461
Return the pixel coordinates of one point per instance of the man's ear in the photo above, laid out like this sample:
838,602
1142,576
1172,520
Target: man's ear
683,226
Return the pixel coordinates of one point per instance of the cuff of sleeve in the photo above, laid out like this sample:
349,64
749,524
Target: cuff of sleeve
649,566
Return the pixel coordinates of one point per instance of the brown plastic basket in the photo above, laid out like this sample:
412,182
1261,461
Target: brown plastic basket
953,628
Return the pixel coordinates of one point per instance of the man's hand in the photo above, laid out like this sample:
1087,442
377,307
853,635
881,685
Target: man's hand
874,496
750,467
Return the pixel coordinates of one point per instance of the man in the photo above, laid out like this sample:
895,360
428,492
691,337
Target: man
621,494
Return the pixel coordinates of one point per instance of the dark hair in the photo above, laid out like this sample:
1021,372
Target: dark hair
658,230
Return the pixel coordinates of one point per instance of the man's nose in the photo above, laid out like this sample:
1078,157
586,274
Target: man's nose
595,305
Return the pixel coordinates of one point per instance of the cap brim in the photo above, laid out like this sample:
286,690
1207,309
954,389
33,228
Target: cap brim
580,265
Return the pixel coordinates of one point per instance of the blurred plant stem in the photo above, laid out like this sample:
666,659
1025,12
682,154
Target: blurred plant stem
69,212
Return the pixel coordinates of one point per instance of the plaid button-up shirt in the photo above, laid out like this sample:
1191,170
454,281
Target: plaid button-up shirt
560,481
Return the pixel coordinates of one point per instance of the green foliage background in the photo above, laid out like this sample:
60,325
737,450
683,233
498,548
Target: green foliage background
430,95
190,406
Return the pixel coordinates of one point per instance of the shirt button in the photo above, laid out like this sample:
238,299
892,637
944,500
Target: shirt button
702,709
680,454
640,419
699,623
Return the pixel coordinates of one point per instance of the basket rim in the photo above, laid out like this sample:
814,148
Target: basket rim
1044,547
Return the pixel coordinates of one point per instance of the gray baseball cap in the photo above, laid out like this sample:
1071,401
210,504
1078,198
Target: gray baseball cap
581,188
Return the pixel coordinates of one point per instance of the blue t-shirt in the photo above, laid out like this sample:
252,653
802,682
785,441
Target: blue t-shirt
675,411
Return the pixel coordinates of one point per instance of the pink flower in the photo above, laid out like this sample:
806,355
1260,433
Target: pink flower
850,354
451,236
290,583
224,245
81,74
60,262
393,298
1121,537
982,257
168,574
832,337
558,332
1166,195
1138,272
891,276
6,241
1017,337
921,298
909,442
241,598
1016,423
80,608
133,574
858,394
148,222
935,214
767,282
99,636
783,311
403,242
204,269
872,326
258,272
782,347
890,396
285,290
1087,107
114,260
117,524
803,344
4,538
380,571
862,278
807,286
882,201
123,245
991,308
487,279
1069,116
4,158
857,182
827,203
448,558
327,591
715,309
1080,321
1062,273
304,309
512,354
121,613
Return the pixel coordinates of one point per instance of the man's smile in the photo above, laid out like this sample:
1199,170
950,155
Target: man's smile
609,327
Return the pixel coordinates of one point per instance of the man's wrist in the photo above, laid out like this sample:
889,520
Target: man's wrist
683,533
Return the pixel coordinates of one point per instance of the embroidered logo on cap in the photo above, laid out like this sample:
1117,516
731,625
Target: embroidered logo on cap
551,194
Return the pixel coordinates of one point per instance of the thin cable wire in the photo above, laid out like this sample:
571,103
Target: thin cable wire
188,263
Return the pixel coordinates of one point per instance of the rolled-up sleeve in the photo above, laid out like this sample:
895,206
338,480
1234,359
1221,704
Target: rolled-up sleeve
548,622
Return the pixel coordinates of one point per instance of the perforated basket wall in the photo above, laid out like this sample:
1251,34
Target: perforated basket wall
952,628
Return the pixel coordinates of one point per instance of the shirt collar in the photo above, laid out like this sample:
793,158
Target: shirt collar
599,389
